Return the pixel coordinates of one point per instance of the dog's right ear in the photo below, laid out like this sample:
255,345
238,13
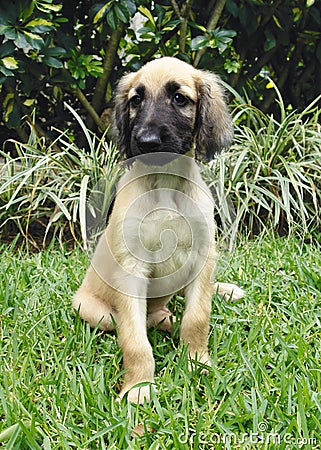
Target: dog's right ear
214,124
120,125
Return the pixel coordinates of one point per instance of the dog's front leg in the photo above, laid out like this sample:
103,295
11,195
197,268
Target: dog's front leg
138,358
196,319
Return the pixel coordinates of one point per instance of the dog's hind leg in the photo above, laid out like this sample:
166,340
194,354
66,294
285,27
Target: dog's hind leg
94,309
158,315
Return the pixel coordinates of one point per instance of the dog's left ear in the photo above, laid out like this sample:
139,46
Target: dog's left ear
214,128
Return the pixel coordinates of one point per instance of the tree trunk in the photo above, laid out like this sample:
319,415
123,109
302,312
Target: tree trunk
108,65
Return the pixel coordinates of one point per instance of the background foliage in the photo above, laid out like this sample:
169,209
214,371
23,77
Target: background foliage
270,179
75,51
60,61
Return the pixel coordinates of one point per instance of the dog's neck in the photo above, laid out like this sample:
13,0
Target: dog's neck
177,175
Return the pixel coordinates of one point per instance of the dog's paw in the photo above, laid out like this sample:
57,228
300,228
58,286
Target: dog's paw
162,319
229,290
194,359
138,395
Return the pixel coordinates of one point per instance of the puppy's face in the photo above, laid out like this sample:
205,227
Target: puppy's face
167,106
162,113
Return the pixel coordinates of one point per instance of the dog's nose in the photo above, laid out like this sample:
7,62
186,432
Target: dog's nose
148,142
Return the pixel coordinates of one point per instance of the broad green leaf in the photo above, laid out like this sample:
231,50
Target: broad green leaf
221,39
147,14
38,21
131,7
48,7
146,30
21,41
148,36
29,102
270,41
4,28
199,42
112,19
33,36
53,62
232,7
9,32
26,10
198,27
10,62
6,49
82,84
12,113
34,40
57,93
121,14
61,20
40,25
100,14
171,25
8,99
223,35
6,72
55,51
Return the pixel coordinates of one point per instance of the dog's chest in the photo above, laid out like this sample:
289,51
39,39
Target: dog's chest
166,227
162,223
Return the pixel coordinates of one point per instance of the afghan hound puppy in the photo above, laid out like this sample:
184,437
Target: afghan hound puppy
160,235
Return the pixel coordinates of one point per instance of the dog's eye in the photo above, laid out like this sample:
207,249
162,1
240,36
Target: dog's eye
180,100
136,100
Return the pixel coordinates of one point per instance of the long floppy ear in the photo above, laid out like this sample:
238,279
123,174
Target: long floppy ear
214,129
120,122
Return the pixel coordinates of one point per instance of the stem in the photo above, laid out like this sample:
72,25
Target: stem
89,108
215,17
176,8
108,64
185,11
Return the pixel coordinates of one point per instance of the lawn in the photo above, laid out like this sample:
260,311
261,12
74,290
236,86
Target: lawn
59,379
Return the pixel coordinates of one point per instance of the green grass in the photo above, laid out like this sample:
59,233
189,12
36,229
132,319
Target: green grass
59,379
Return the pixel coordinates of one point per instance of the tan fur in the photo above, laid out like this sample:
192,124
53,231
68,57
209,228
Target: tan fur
103,303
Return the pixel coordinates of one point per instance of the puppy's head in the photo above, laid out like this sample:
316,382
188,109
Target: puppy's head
167,106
